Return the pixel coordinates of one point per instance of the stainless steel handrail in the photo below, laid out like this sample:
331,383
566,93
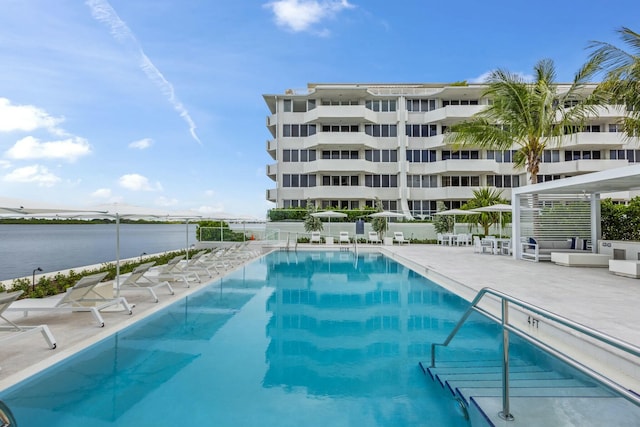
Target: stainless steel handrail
6,417
507,327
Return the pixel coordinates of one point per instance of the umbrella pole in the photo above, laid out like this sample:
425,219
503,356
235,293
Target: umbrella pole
117,255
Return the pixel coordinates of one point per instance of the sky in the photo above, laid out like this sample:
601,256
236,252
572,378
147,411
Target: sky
158,103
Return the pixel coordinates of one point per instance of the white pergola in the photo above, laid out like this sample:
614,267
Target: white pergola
588,186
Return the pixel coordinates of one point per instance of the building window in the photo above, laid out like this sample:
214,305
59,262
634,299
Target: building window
381,105
297,130
340,128
417,131
501,156
339,155
546,178
294,203
388,205
329,102
461,155
503,181
447,102
422,181
381,130
421,105
340,180
298,155
460,181
633,156
422,208
550,156
616,127
384,181
570,155
384,156
421,156
295,180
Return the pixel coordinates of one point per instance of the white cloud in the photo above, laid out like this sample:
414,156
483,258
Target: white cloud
136,182
4,164
25,118
302,15
69,149
164,201
32,174
103,12
209,193
102,193
141,144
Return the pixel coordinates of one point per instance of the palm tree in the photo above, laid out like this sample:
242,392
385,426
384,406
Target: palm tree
486,197
312,223
528,115
622,75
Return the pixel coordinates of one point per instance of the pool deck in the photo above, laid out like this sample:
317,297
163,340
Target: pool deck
591,296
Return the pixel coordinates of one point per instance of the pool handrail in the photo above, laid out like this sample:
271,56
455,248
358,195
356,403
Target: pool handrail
507,327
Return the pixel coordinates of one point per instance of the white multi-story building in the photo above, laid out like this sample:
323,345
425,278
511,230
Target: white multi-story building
344,145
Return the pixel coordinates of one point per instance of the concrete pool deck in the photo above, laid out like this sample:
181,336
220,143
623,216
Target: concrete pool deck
591,296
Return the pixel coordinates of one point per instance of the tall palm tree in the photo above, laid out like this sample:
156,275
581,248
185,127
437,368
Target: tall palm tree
622,75
528,115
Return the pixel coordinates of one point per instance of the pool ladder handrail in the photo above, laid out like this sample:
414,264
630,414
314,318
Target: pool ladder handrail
507,327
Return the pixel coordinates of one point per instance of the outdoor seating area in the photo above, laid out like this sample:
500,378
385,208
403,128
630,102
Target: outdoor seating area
492,245
540,250
624,267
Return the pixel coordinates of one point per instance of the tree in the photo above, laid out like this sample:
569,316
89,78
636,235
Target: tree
528,115
622,76
486,197
379,225
312,223
442,223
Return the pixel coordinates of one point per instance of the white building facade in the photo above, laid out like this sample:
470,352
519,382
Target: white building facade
344,145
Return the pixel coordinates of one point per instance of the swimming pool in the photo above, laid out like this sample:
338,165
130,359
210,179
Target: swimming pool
306,338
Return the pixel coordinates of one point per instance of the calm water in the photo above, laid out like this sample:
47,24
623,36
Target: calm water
55,247
306,339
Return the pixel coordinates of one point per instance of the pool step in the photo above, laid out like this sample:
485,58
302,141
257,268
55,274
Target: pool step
478,389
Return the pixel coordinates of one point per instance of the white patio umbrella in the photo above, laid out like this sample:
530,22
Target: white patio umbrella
498,207
386,215
454,213
329,214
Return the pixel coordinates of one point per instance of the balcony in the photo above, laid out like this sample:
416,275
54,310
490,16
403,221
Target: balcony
356,192
271,195
343,114
272,148
441,193
345,140
465,167
452,113
272,171
351,167
272,120
577,167
597,140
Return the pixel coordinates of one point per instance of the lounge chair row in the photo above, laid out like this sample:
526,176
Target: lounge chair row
84,297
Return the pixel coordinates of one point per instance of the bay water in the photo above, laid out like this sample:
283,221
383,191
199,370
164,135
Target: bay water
55,247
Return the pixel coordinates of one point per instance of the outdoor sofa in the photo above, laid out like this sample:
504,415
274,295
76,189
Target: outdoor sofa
540,250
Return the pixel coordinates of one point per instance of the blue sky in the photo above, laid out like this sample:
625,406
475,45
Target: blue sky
158,103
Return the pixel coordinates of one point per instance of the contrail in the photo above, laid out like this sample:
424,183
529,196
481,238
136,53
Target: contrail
103,12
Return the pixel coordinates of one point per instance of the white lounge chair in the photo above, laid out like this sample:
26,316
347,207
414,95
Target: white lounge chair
16,331
137,280
315,237
398,236
80,297
344,237
374,238
172,271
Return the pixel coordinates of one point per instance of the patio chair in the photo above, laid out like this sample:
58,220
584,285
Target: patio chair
344,237
398,236
80,297
315,237
172,271
137,280
374,238
16,331
440,238
462,239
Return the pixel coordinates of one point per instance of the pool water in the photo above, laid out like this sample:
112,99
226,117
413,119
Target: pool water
306,338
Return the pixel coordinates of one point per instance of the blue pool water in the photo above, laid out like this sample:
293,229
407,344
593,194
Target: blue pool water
306,338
